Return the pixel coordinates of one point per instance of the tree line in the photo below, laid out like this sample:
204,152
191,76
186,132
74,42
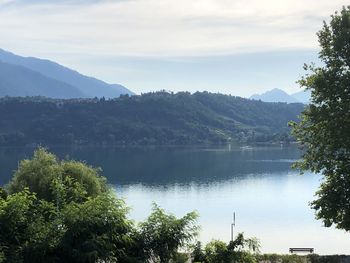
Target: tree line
158,118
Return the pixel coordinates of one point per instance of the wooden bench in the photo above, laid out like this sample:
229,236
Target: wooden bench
301,249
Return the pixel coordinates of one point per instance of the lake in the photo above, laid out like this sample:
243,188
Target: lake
269,198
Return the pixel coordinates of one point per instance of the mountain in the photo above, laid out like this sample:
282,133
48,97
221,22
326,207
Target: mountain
158,118
302,96
20,81
88,87
274,95
278,95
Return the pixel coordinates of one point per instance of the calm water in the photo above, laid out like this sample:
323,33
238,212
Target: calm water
270,200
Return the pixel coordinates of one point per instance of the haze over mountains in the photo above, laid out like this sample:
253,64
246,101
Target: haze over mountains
278,95
29,76
152,118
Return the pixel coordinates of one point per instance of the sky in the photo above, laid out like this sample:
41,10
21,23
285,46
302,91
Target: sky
237,47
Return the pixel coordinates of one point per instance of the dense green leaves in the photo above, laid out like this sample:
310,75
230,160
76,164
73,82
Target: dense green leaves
63,211
27,227
163,234
97,229
240,250
55,180
324,128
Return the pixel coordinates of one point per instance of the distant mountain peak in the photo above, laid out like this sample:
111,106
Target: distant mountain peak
279,95
274,95
303,96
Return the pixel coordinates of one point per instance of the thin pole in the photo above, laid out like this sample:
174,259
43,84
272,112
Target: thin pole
233,225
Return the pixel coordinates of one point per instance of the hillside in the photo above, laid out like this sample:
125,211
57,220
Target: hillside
20,81
153,118
87,87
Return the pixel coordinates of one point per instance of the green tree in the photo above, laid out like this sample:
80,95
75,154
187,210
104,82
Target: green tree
216,251
45,175
163,234
323,131
198,253
3,193
28,229
62,211
96,230
240,250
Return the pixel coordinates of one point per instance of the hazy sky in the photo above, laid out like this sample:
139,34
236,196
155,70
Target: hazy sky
237,47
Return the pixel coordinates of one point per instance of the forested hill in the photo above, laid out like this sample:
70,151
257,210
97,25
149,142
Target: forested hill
152,118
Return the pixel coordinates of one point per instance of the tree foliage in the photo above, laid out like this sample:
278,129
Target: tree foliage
324,128
240,250
55,180
63,211
27,231
163,234
95,230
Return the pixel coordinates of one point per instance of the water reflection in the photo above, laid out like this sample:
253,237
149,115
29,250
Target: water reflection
166,165
272,207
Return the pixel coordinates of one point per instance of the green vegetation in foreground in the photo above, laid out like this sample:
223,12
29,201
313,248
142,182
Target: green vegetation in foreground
63,211
324,130
158,118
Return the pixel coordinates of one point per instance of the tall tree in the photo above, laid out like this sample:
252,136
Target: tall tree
324,129
62,211
240,250
56,180
163,234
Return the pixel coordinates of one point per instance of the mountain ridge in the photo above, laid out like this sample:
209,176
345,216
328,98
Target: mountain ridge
89,86
20,81
279,95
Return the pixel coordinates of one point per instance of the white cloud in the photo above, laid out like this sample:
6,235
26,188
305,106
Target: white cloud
162,27
102,38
